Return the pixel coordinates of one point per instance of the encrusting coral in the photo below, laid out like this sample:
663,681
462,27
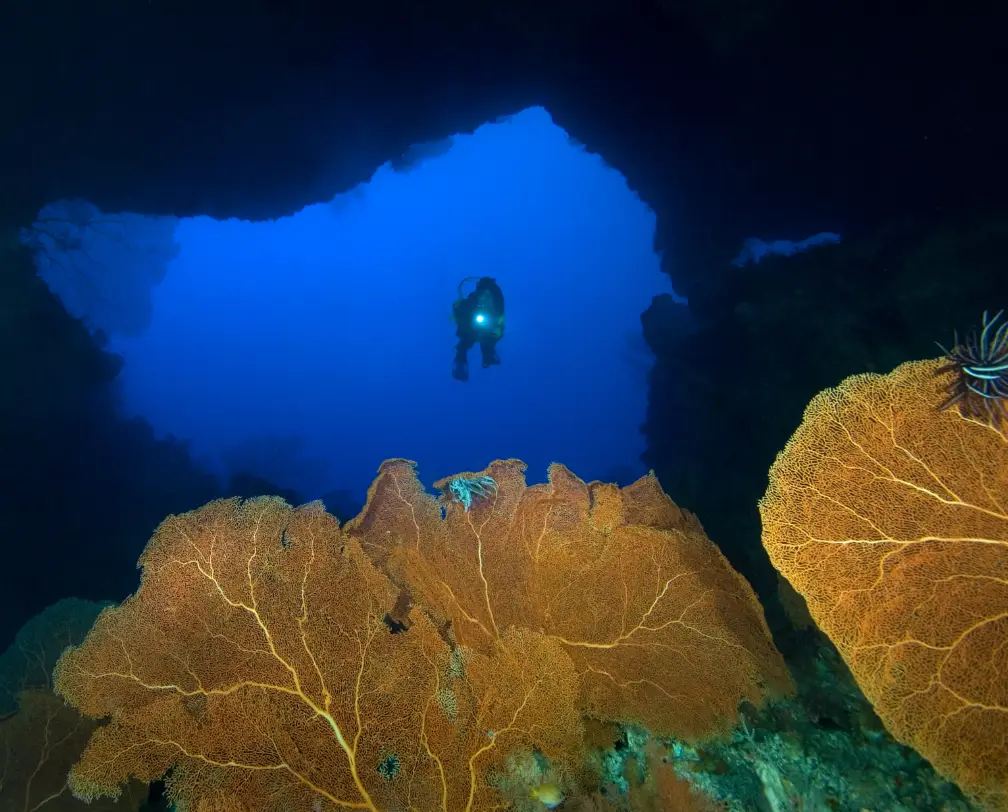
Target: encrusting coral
890,516
257,660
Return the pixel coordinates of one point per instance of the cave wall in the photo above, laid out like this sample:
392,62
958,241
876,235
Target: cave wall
730,118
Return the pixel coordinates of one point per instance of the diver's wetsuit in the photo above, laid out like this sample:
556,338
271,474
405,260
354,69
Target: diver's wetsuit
479,318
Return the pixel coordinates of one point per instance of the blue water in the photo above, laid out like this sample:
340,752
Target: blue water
308,349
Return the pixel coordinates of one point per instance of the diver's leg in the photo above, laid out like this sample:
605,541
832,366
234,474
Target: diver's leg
488,348
460,369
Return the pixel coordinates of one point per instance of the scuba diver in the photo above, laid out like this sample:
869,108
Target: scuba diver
479,317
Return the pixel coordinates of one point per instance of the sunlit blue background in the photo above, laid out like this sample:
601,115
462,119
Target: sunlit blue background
308,349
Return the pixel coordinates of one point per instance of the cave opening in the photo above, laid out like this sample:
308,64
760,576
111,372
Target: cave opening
303,351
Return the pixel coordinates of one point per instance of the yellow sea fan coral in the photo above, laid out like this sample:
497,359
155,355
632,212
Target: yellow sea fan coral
661,629
890,516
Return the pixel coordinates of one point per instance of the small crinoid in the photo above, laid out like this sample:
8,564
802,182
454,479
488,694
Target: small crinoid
466,490
979,388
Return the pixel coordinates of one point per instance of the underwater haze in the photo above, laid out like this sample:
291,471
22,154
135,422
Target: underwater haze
308,349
